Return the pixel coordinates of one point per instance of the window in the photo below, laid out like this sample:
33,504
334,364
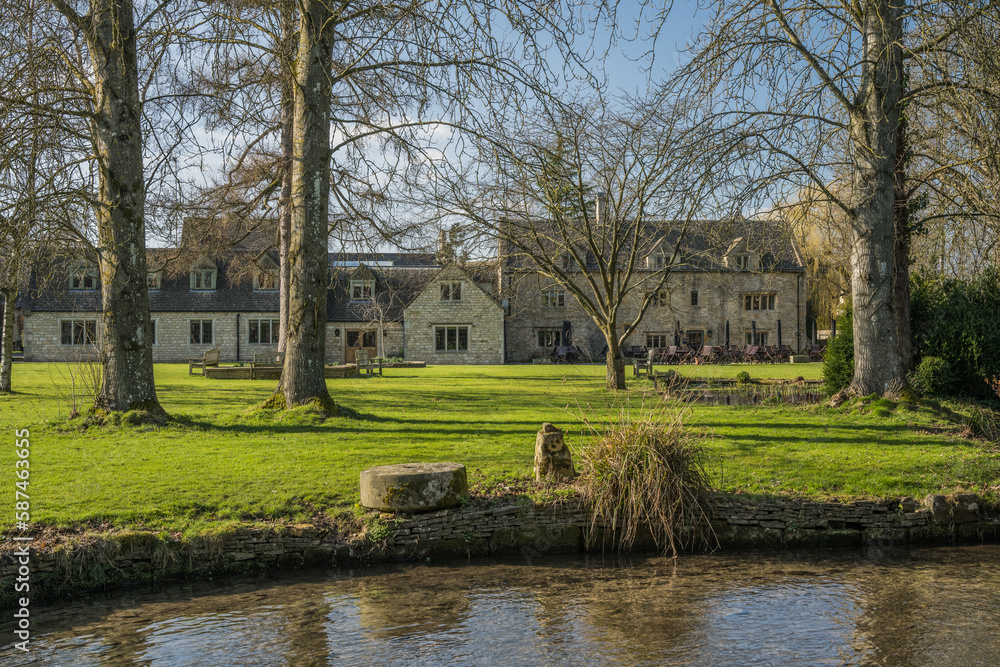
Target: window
658,261
568,262
201,332
451,291
661,299
550,338
694,298
78,332
743,262
153,280
362,290
554,298
202,279
265,280
761,337
657,340
451,339
262,332
360,338
83,278
152,326
759,301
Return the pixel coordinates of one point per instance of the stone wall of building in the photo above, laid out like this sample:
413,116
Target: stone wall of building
173,337
720,297
476,311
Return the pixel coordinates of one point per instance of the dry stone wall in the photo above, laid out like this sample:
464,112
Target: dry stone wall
563,526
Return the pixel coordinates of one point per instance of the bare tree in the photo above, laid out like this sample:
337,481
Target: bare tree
806,91
654,175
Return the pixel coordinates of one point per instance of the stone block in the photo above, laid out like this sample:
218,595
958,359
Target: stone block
414,487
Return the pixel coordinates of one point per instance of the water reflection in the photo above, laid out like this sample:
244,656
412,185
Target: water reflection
918,607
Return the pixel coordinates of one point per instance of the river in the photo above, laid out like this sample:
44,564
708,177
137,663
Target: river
933,606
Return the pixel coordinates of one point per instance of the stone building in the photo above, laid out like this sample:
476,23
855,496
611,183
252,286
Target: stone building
747,275
424,307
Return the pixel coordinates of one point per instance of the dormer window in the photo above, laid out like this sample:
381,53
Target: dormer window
203,279
203,275
153,279
743,262
451,291
362,290
83,277
659,261
265,278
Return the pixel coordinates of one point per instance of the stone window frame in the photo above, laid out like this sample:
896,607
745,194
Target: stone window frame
549,337
762,336
458,328
204,279
743,262
270,284
273,327
451,291
362,289
554,297
660,299
657,261
154,279
664,340
83,277
760,301
155,326
694,298
201,330
83,323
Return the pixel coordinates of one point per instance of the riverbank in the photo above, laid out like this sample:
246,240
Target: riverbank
67,565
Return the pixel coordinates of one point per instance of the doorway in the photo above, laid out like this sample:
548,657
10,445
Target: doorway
359,339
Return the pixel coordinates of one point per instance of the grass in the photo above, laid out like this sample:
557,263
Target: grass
216,463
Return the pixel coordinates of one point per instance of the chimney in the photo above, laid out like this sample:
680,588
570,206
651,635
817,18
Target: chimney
600,208
442,241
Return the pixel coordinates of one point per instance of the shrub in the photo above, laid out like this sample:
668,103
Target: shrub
957,321
648,474
933,377
742,378
838,362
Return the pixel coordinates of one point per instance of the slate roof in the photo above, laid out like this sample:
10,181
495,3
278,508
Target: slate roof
706,242
395,287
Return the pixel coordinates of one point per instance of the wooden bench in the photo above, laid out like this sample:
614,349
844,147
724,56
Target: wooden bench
371,366
268,361
642,366
211,358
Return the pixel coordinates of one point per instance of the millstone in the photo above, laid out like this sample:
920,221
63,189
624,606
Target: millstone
414,487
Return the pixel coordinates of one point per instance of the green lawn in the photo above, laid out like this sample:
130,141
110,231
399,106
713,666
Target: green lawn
215,461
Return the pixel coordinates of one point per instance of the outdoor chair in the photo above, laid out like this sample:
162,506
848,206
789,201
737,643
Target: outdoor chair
707,355
784,354
668,355
266,361
752,354
364,362
816,352
210,358
644,365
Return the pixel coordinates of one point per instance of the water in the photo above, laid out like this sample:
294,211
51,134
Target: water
918,607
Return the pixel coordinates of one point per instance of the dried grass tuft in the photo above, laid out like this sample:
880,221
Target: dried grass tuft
649,474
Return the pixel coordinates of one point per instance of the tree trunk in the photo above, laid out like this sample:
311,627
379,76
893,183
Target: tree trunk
874,124
286,64
303,379
901,250
6,361
126,343
614,362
